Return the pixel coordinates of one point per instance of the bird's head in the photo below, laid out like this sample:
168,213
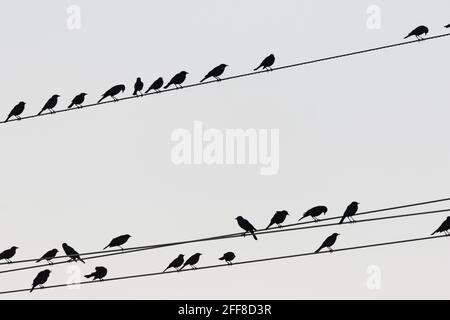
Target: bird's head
426,30
325,209
138,79
223,65
336,234
184,72
22,103
127,236
122,88
56,250
83,94
56,96
64,245
238,218
14,248
181,255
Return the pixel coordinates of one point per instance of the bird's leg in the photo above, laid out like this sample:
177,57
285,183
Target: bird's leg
114,98
18,118
120,247
315,219
331,250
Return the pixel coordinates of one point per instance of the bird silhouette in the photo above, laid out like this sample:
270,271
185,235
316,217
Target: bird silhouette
216,72
113,92
177,80
50,104
447,26
138,86
99,273
49,255
177,263
192,261
444,227
118,241
40,279
314,213
70,252
8,254
266,63
328,243
16,111
228,257
350,212
278,218
247,226
156,85
78,100
418,32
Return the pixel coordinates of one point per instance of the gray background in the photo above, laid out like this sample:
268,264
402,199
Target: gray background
371,128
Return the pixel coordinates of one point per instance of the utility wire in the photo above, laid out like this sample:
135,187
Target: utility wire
240,233
103,254
241,75
381,244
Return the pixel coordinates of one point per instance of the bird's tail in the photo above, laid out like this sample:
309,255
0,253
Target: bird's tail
434,232
40,112
318,250
135,92
182,267
106,247
254,236
8,118
301,218
167,85
223,258
165,269
342,219
101,99
204,79
32,288
257,68
79,258
89,276
39,260
71,105
269,225
409,35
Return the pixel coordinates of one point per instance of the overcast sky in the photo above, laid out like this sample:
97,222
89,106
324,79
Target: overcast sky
371,128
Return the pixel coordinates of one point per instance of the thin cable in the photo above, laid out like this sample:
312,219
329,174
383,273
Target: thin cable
237,235
225,265
239,76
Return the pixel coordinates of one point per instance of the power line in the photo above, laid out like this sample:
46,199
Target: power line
241,75
239,234
103,254
226,265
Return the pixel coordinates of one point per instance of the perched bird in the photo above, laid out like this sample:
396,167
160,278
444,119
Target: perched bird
418,32
447,26
156,85
247,226
118,241
78,100
192,261
50,104
99,273
113,92
71,253
49,255
138,86
278,218
8,254
216,72
16,111
177,263
328,243
266,63
314,213
228,257
350,212
40,279
444,227
177,80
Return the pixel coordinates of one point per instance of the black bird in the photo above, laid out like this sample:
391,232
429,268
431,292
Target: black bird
418,32
113,92
266,63
49,255
70,252
118,241
156,85
444,227
247,226
40,279
278,218
228,257
138,86
328,243
78,100
16,111
177,263
192,261
216,72
447,26
8,254
314,213
350,212
177,80
50,104
99,273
